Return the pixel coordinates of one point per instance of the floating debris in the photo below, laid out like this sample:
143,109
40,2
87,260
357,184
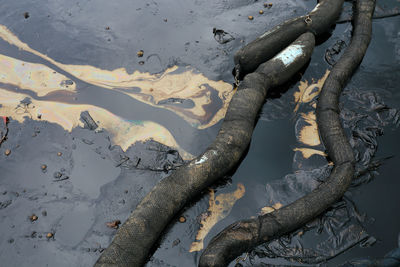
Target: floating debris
88,121
250,17
26,15
176,242
261,12
49,235
7,152
222,36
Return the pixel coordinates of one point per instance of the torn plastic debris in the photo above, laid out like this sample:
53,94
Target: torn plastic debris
337,230
391,259
150,155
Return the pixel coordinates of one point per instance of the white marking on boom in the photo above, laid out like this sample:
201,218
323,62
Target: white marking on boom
204,158
290,54
201,160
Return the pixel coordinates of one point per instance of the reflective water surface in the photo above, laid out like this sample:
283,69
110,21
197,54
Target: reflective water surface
148,114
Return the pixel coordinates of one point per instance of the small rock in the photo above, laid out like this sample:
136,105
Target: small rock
44,213
140,53
11,240
57,175
33,218
182,219
7,152
141,62
39,116
107,28
26,15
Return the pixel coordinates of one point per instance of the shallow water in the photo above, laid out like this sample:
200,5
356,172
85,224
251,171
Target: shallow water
105,182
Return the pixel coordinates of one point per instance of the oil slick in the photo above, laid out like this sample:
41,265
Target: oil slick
155,89
306,126
309,135
308,92
19,106
35,77
219,207
21,80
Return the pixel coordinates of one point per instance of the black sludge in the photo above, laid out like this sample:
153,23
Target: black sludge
244,235
132,243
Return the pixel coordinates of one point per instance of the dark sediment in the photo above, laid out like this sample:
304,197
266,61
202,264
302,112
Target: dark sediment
244,235
134,240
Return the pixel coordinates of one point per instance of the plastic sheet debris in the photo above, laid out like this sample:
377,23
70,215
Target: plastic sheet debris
364,115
